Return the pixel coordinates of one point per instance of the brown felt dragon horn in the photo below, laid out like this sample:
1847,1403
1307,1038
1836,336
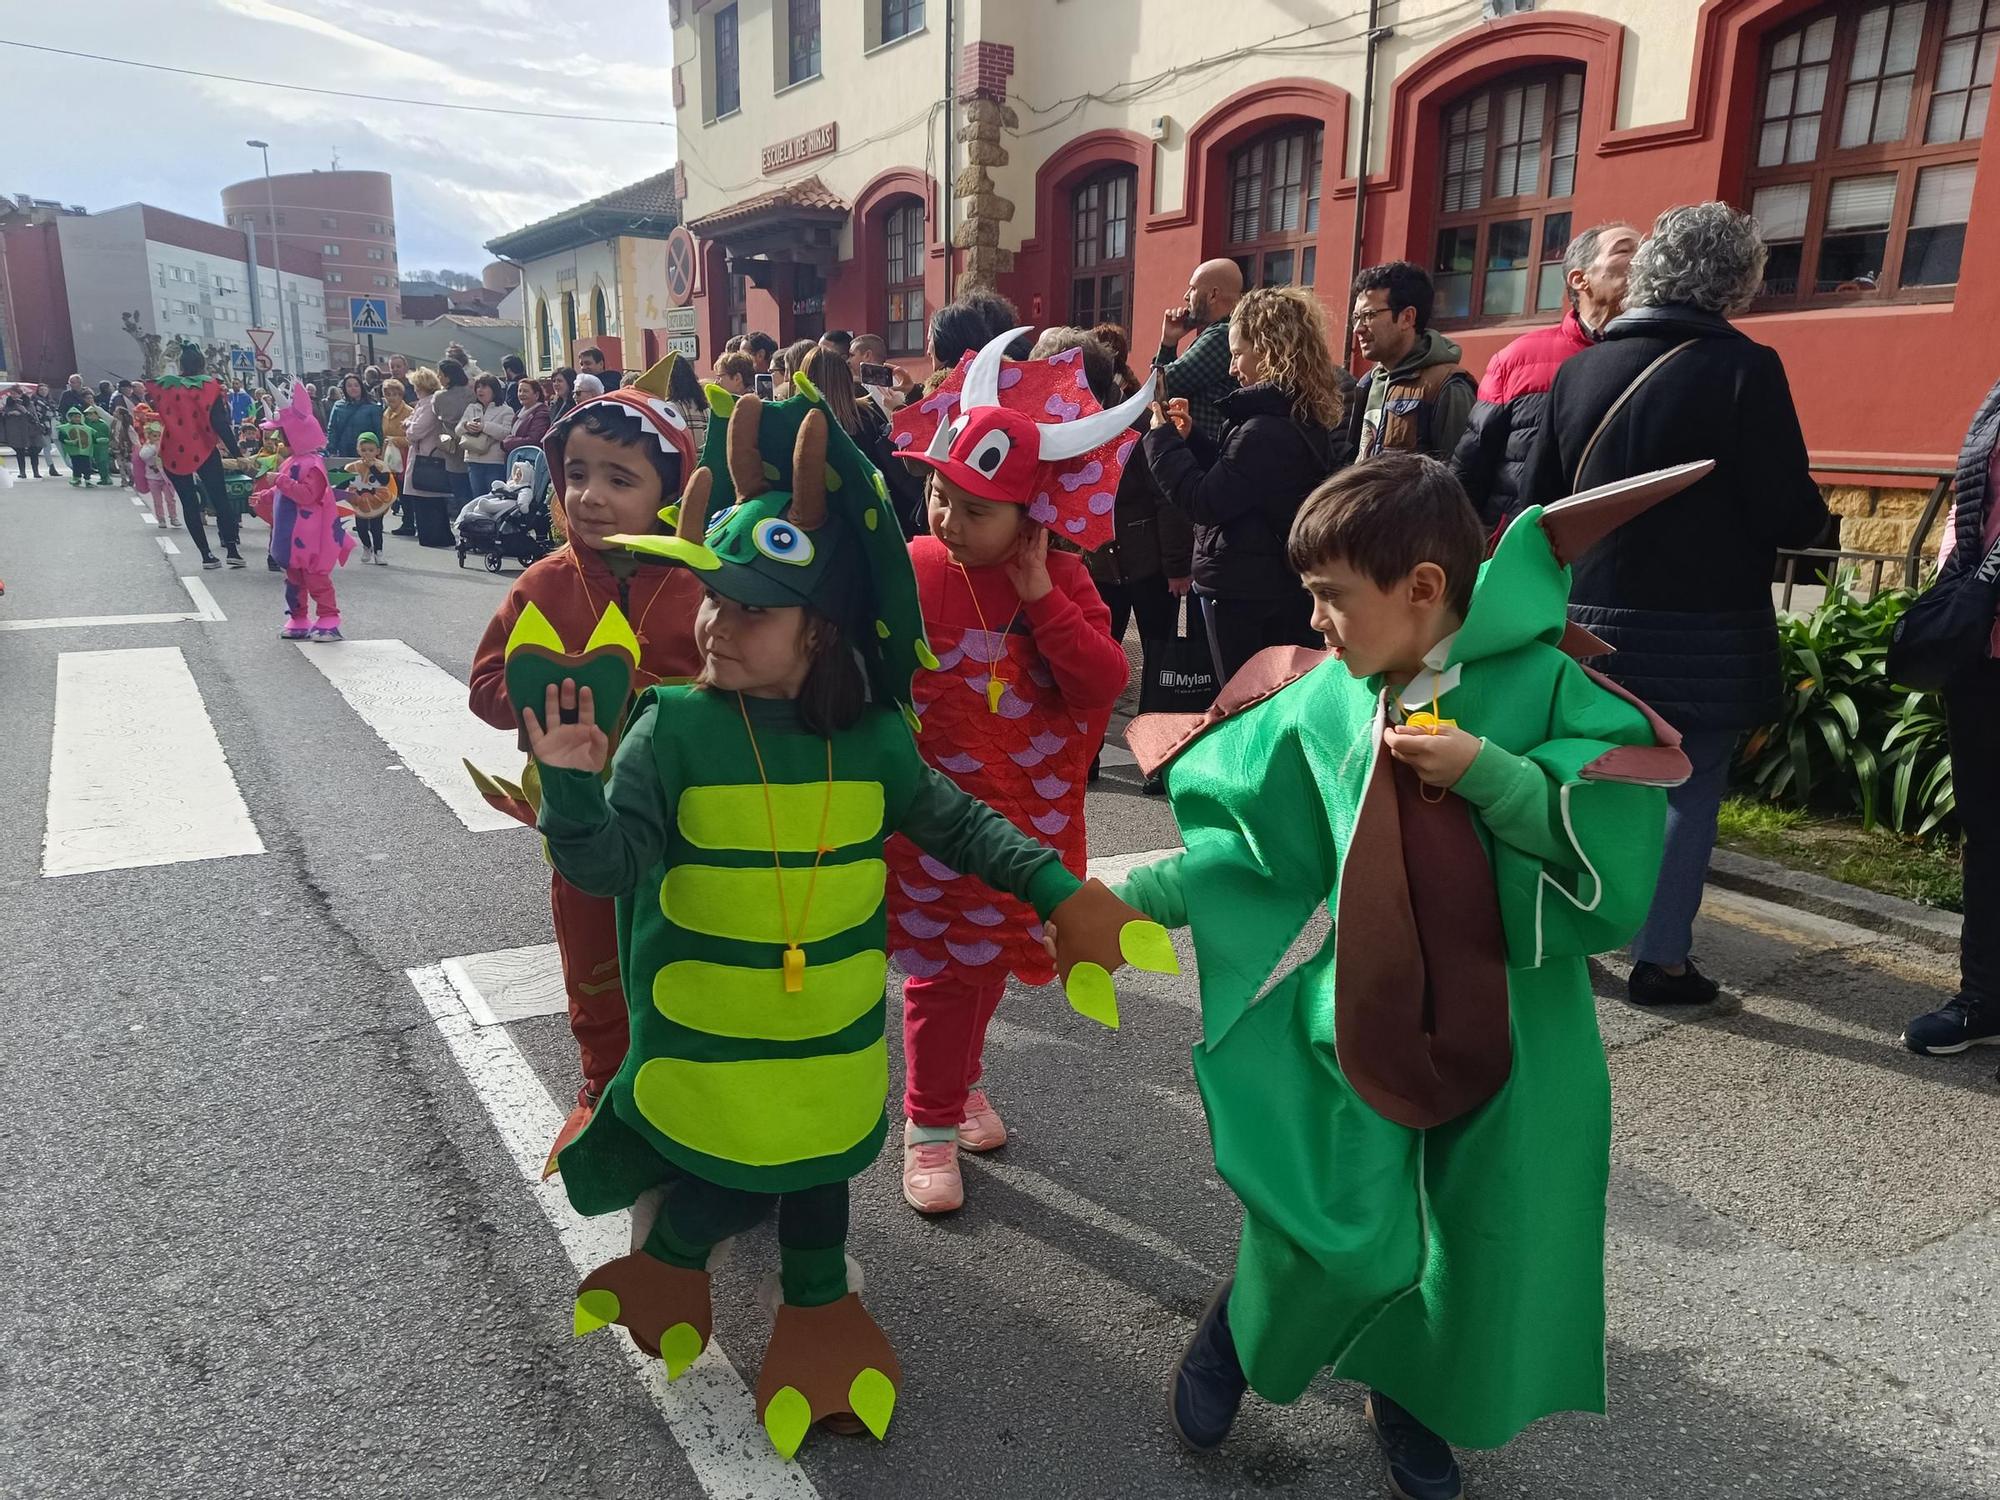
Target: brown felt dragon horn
808,507
746,464
693,523
1575,525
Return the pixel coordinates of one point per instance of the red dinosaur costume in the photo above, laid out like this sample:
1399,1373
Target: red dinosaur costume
1016,706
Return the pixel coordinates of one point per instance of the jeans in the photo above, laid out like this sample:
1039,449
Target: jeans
23,457
79,466
1972,711
209,476
482,477
1668,931
369,532
1239,628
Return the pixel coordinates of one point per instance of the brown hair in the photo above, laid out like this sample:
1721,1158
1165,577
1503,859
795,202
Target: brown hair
1285,326
493,383
834,694
1384,516
529,390
829,374
736,363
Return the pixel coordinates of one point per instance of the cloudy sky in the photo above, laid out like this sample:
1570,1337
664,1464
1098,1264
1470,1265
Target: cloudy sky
98,133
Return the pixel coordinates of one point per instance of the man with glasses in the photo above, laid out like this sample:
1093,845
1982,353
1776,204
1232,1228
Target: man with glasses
1418,396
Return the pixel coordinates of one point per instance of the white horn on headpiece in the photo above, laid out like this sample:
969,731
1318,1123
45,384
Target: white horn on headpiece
1061,440
982,381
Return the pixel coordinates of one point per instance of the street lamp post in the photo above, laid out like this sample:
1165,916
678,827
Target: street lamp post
277,257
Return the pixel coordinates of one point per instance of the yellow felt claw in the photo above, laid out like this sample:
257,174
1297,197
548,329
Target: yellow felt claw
787,1420
873,1398
533,629
613,629
596,1308
721,402
1091,993
1146,945
680,1347
517,802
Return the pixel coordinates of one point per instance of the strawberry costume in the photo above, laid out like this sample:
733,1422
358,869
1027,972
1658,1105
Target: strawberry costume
1013,707
195,429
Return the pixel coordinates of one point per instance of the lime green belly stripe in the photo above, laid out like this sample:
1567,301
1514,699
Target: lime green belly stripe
725,1001
733,817
743,904
768,1112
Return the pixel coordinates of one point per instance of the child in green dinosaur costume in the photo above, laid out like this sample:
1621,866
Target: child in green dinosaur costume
77,441
741,832
1416,1118
99,423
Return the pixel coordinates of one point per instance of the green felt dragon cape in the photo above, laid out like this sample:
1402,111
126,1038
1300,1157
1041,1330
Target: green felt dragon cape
1417,1117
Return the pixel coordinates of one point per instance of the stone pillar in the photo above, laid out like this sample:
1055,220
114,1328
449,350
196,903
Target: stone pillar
984,69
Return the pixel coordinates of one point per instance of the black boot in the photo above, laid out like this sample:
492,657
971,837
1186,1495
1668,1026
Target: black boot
1208,1382
1652,985
1421,1466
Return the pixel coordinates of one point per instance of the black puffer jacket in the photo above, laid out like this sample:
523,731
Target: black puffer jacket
1242,493
1683,592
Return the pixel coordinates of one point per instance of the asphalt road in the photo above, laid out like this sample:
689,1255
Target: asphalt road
268,1233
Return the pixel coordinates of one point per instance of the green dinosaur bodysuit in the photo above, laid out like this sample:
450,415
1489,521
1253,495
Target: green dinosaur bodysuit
1417,1118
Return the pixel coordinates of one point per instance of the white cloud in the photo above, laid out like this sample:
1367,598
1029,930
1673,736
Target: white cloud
460,178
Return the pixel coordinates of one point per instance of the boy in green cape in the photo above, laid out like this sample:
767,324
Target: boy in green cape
1417,1119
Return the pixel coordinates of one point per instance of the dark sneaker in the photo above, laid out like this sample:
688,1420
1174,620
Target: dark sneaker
1652,985
211,563
1956,1025
1152,786
236,559
1420,1463
1208,1382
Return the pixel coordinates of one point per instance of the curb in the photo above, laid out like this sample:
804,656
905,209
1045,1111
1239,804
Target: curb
1891,916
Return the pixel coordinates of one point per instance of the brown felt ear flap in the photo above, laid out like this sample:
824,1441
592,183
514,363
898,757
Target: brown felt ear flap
746,465
808,508
693,524
1575,525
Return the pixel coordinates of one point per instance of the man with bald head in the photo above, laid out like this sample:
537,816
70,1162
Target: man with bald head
1202,373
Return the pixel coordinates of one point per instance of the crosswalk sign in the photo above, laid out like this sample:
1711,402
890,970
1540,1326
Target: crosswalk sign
242,361
368,314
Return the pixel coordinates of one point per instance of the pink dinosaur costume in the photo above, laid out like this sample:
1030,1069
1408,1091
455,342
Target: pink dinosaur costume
1016,705
308,537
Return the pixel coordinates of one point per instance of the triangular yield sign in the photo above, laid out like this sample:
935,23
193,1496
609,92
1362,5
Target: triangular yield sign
261,337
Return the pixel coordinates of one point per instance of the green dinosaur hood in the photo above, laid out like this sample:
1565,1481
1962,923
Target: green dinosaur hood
853,567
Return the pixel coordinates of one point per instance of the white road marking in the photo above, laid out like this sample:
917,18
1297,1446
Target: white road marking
709,1409
146,517
140,500
204,602
205,609
1115,755
1112,868
512,984
137,775
418,710
167,546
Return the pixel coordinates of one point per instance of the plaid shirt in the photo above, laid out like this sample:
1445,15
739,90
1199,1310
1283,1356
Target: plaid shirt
1201,375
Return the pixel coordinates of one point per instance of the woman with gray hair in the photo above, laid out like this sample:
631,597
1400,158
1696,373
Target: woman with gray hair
1682,593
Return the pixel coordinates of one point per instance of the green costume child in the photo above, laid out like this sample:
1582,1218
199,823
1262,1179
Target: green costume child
1417,1117
99,424
742,836
77,441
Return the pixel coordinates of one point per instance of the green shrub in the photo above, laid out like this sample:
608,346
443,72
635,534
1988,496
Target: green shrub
1847,739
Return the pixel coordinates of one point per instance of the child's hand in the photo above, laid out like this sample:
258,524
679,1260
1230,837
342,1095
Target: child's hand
1028,568
575,743
1440,758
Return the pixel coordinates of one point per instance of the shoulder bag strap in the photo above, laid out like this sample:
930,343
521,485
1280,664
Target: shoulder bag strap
1576,479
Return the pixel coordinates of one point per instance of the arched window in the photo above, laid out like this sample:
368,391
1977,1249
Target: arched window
1100,258
1869,122
903,254
569,325
1508,170
544,334
600,320
1274,205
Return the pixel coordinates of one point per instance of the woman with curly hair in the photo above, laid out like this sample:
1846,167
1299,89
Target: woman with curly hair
1281,436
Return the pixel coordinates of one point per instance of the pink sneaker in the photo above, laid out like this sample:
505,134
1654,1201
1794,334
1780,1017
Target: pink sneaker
931,1182
982,1128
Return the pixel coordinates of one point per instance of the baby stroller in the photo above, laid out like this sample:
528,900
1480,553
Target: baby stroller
513,519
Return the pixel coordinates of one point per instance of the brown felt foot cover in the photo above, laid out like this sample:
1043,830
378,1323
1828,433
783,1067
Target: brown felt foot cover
665,1308
824,1363
571,1129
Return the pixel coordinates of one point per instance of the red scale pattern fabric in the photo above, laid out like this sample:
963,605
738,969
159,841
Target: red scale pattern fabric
1029,762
